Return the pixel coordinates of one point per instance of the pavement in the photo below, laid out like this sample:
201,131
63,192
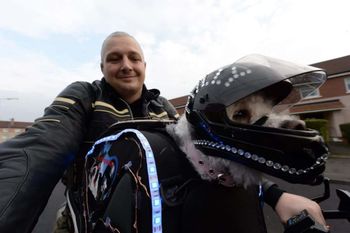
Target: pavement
338,164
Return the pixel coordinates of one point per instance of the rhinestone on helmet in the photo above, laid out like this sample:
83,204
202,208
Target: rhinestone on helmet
247,155
261,160
234,150
255,157
285,168
292,171
277,166
269,163
300,171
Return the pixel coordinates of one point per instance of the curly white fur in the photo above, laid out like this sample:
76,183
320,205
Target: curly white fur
246,111
240,174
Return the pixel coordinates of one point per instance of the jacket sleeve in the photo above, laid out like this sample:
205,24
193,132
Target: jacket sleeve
169,108
32,163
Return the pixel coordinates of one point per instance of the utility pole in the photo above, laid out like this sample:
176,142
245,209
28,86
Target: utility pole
7,98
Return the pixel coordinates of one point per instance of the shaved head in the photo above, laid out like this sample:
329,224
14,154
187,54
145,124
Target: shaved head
117,34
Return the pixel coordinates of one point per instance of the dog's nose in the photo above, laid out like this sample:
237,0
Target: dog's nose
293,124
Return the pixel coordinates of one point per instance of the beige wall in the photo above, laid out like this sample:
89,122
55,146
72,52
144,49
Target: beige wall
342,116
7,133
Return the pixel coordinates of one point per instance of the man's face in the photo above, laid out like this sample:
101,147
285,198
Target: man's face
123,67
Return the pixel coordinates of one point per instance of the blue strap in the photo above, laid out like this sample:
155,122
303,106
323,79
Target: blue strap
261,195
151,171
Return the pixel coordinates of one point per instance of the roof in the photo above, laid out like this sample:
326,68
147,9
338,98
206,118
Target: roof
15,124
335,66
179,101
321,106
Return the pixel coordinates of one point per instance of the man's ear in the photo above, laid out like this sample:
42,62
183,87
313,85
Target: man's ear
101,66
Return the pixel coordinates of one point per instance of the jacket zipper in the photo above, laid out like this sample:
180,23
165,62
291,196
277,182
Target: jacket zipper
128,106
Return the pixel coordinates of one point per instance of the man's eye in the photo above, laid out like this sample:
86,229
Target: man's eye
113,59
135,58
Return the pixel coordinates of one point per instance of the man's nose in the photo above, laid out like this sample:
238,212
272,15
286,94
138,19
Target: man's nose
126,64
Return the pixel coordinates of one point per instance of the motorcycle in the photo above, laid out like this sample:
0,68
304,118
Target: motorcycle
304,223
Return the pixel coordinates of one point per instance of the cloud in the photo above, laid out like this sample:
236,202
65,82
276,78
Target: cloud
39,18
182,40
36,73
35,82
34,79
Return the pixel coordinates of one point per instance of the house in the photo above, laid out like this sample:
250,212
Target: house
331,101
9,129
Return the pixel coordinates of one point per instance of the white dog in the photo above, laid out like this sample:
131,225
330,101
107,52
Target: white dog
247,110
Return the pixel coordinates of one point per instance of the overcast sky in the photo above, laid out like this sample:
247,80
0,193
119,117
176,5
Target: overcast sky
47,44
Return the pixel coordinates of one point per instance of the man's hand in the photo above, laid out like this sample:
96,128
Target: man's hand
289,205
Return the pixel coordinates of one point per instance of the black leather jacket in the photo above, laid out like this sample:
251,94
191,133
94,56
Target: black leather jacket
32,163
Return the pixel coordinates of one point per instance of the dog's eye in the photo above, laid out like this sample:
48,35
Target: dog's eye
241,115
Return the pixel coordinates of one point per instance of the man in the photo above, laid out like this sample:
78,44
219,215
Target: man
123,66
32,163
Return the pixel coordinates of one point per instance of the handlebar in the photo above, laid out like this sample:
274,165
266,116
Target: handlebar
304,223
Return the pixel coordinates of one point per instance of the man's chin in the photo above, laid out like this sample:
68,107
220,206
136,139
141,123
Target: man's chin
126,85
129,93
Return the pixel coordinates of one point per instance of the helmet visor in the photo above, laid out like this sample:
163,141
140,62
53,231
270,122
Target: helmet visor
304,86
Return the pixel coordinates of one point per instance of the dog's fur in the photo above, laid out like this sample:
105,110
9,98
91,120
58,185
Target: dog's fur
229,173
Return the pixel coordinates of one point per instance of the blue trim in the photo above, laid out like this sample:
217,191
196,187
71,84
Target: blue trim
151,171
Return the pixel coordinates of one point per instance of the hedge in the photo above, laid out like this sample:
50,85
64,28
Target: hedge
345,130
321,125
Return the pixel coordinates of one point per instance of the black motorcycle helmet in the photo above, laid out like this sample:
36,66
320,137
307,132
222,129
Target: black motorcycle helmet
297,156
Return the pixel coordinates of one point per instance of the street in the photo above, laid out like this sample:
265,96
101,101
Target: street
48,217
337,226
274,226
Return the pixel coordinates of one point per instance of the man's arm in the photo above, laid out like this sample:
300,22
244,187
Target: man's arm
287,205
32,163
290,205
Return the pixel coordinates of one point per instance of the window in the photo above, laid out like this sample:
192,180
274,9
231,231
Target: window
347,84
305,92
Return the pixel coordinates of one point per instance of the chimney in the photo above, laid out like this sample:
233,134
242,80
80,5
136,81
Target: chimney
12,122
